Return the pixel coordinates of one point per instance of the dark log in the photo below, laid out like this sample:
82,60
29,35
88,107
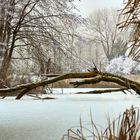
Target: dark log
89,78
103,91
25,88
46,82
106,78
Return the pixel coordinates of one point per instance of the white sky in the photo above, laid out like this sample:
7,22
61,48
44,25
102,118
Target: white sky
88,6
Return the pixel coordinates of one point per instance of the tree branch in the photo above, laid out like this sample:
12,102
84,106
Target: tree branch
89,78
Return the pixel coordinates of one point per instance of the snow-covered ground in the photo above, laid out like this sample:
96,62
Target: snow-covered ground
29,119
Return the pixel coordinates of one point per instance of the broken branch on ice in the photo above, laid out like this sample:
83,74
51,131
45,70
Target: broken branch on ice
103,91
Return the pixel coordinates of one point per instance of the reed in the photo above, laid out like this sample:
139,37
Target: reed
125,127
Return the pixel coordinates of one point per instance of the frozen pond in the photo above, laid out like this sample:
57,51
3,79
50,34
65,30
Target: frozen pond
28,119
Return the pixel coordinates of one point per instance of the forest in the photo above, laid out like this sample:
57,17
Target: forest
40,38
49,50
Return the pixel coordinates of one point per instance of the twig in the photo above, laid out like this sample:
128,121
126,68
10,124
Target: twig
40,98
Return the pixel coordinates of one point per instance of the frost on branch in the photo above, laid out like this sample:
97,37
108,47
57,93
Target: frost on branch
122,65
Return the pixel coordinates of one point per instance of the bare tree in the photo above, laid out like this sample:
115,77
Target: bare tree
103,28
130,18
34,26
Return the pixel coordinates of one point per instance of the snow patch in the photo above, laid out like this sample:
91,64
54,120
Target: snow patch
122,65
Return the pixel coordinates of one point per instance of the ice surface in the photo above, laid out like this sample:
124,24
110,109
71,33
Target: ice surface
29,119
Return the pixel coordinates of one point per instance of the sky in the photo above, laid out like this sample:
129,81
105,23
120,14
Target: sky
88,6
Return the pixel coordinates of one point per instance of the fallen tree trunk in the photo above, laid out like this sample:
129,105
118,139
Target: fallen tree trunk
91,78
103,91
107,78
25,88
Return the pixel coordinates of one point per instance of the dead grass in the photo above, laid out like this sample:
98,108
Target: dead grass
125,127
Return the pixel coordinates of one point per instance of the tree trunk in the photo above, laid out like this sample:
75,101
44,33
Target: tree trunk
89,78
